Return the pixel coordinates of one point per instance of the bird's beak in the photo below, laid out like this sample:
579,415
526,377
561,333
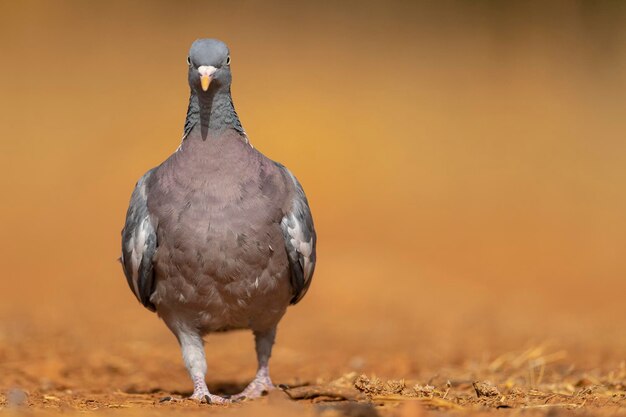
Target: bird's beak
206,75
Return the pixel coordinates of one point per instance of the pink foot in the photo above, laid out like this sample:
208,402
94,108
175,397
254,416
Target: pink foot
261,385
201,393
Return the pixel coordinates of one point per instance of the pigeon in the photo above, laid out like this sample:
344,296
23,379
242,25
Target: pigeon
218,237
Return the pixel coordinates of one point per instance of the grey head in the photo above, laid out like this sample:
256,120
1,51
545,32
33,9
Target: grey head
210,103
209,66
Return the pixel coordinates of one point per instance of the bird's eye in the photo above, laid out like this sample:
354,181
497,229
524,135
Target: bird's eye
189,61
228,60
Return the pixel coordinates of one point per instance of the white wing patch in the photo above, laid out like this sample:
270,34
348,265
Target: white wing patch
301,245
137,245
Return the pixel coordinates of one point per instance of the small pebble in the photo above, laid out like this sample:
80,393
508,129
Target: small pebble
17,397
485,389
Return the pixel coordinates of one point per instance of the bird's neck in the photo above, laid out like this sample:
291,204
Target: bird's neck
211,113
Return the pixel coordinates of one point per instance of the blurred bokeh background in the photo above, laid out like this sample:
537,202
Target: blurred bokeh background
465,163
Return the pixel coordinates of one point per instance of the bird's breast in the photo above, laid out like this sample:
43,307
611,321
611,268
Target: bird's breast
220,249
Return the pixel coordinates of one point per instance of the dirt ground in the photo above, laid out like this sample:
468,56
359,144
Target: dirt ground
58,370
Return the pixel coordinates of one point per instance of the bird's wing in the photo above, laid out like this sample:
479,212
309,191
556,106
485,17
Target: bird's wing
300,238
139,242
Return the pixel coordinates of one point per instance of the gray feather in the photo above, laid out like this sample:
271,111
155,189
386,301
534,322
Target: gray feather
139,245
300,239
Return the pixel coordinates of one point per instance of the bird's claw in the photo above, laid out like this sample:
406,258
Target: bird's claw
205,397
209,399
256,389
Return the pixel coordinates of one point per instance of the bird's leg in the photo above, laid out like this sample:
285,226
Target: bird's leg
193,355
262,382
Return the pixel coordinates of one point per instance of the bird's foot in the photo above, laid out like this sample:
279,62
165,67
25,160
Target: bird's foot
208,398
214,399
261,385
201,393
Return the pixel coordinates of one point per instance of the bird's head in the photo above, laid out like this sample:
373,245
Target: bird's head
209,66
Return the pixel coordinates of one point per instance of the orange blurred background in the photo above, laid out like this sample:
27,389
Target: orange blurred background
465,162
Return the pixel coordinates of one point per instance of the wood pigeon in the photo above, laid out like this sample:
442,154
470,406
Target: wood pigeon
218,237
